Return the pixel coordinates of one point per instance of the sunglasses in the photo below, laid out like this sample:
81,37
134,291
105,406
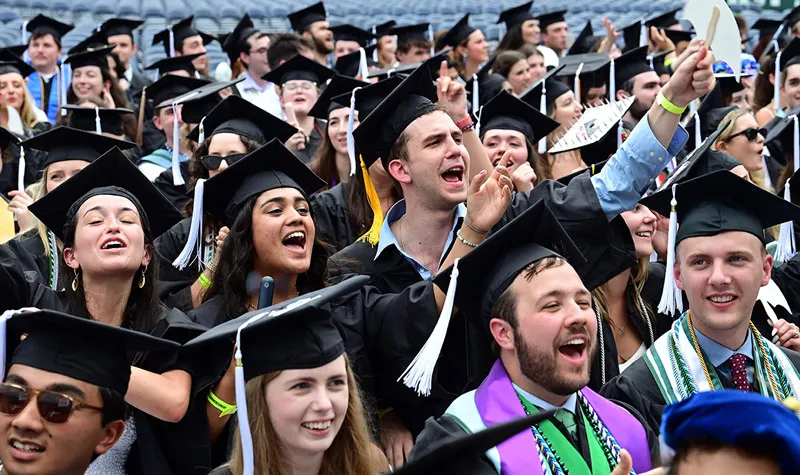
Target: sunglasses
212,162
53,407
751,134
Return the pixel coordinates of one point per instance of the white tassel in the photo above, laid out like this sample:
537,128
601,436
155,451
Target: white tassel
620,130
776,98
363,67
351,141
432,40
543,110
63,84
698,139
193,243
419,374
478,125
3,319
576,87
796,143
643,40
612,83
671,294
171,42
98,126
786,244
21,170
475,93
177,177
201,136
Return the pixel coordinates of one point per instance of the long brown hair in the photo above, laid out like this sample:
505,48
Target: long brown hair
764,90
324,162
350,453
602,294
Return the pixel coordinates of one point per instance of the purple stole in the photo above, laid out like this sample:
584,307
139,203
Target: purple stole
497,402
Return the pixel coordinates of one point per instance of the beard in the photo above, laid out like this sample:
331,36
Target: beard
321,46
539,365
637,110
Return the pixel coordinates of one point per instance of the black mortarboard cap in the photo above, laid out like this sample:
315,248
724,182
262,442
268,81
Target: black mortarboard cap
414,97
547,19
91,57
239,116
338,86
792,17
198,103
349,64
658,62
678,36
489,84
455,35
516,15
700,161
663,20
780,140
630,65
728,84
713,100
384,29
766,26
16,50
299,68
44,25
175,63
507,112
407,33
120,26
351,33
67,345
67,143
236,42
488,270
459,454
180,31
721,202
594,71
171,86
11,63
94,41
370,96
302,19
584,41
790,55
85,118
271,166
632,36
7,138
111,174
400,69
554,89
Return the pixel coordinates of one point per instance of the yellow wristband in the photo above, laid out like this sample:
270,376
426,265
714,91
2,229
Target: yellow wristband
668,62
224,408
670,107
204,281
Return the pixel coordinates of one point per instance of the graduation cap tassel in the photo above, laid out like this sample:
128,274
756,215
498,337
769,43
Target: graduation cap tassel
202,131
363,68
612,83
478,124
432,40
643,39
796,144
671,294
698,139
171,42
21,170
195,230
620,131
351,141
177,177
576,88
776,97
475,93
373,235
786,243
140,121
419,374
98,126
543,110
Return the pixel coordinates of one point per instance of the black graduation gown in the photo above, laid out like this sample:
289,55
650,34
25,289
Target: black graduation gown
177,195
29,252
138,82
651,294
332,217
637,388
787,278
9,171
466,355
314,141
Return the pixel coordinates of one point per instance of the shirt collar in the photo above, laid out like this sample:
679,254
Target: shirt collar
719,354
571,405
129,74
250,83
397,211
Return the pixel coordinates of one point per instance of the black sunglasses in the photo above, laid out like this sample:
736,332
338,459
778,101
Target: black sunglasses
53,407
212,162
750,133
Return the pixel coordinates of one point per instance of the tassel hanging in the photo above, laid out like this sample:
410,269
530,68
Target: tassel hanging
171,42
612,82
363,67
620,131
193,243
776,97
202,132
671,299
786,243
177,177
543,109
21,170
98,126
373,235
475,94
419,374
698,139
478,124
576,86
643,40
351,141
795,144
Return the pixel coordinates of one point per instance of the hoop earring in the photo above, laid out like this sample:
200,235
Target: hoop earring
143,280
75,281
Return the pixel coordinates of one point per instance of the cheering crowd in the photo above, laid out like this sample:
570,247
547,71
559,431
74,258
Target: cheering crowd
383,248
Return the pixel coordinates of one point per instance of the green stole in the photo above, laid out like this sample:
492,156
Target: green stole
569,457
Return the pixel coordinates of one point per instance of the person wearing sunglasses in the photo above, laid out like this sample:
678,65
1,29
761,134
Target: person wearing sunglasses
61,407
232,129
743,139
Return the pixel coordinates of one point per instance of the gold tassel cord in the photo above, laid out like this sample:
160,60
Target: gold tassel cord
373,235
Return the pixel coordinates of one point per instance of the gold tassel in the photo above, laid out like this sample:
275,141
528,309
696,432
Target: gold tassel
373,235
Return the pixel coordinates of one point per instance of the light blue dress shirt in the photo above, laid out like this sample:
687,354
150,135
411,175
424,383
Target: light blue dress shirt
719,354
571,405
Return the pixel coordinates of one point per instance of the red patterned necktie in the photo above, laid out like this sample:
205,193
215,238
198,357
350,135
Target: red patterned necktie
738,366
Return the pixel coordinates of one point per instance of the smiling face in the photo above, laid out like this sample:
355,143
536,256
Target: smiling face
531,31
59,172
642,224
87,81
109,238
496,142
33,446
436,164
283,232
301,94
12,90
520,77
477,47
538,70
567,111
721,276
307,407
337,129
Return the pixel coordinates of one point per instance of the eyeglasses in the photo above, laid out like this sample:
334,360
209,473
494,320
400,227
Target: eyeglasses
305,86
751,134
260,51
53,407
212,162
